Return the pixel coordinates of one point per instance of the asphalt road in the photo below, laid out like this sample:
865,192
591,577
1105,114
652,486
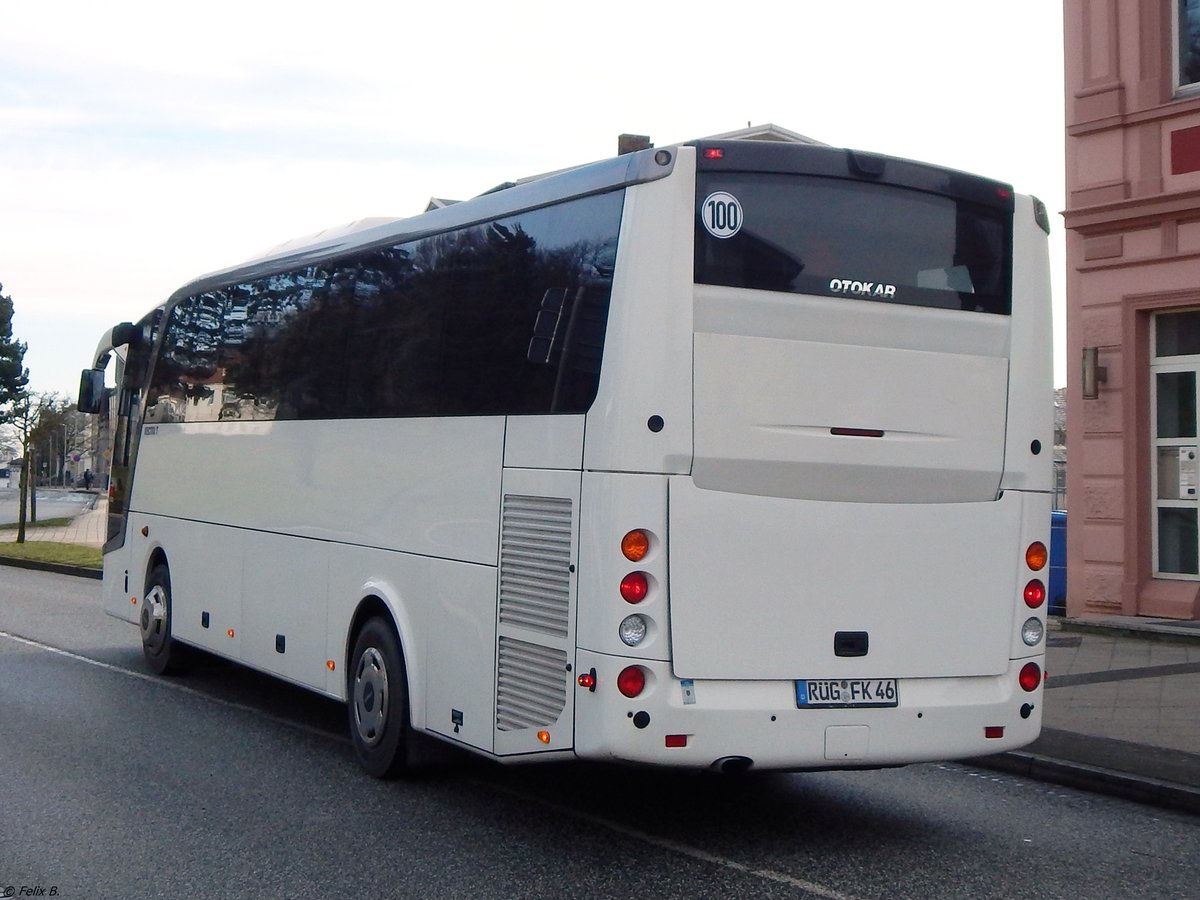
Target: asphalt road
226,784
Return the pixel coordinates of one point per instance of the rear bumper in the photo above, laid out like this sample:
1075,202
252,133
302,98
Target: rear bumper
937,719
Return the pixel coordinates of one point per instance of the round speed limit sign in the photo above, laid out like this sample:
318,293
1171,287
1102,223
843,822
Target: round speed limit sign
721,214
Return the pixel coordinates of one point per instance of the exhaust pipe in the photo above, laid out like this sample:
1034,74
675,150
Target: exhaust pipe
732,765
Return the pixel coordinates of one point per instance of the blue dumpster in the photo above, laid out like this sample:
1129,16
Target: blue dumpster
1058,563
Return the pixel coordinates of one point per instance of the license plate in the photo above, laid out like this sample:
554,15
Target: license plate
846,693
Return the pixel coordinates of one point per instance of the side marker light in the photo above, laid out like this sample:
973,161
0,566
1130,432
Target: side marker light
544,737
992,732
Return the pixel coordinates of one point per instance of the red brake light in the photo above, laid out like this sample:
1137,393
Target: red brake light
634,587
631,681
714,153
1035,594
1030,677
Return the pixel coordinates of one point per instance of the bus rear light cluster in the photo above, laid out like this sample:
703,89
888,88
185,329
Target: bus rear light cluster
635,587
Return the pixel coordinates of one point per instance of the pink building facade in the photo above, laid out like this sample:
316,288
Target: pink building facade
1133,306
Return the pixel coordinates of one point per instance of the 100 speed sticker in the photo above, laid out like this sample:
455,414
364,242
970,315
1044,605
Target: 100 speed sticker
721,214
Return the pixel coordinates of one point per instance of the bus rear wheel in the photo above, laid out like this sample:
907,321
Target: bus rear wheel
378,700
163,653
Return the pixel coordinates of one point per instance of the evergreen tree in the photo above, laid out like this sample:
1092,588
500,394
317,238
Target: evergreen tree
13,375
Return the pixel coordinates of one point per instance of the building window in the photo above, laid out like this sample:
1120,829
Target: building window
1187,27
1175,374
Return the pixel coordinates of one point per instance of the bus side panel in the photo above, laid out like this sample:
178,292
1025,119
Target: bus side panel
1031,375
120,591
535,611
647,351
443,613
428,486
205,565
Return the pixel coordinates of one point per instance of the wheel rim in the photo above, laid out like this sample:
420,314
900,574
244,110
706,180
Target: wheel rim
370,697
154,619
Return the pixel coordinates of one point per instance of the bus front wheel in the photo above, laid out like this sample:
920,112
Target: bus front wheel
378,700
163,653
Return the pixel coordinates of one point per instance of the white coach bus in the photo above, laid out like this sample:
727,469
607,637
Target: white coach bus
728,454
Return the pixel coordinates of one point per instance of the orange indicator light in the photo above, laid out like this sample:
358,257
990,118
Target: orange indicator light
1036,556
229,633
544,737
635,545
133,600
330,665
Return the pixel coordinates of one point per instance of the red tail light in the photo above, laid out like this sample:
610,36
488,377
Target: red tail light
1030,677
1035,594
634,587
631,681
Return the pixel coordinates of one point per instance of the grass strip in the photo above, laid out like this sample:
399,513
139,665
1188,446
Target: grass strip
53,552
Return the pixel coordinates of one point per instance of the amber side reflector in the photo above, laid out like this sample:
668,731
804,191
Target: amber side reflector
544,737
229,633
133,600
330,665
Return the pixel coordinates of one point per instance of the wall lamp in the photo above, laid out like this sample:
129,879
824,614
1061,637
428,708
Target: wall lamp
1094,374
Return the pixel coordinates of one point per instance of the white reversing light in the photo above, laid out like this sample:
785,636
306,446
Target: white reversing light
1032,631
633,630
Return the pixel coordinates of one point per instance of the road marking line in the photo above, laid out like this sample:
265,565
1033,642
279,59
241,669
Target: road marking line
675,846
175,686
634,833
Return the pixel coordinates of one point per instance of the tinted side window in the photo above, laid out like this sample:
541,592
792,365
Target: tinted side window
448,325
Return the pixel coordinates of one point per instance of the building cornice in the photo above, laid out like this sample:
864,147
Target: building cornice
1121,214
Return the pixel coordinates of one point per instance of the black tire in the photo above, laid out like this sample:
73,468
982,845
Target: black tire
163,653
377,700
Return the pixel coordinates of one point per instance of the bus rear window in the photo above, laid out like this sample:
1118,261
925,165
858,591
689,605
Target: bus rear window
854,239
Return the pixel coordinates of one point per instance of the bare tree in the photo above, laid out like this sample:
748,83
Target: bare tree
26,414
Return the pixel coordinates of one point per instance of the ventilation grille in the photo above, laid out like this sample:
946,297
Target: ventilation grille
535,563
531,685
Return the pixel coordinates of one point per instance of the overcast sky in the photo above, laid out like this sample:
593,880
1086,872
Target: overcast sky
144,144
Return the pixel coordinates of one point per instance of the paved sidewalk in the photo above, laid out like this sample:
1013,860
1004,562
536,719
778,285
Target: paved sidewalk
88,528
1122,710
1122,703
